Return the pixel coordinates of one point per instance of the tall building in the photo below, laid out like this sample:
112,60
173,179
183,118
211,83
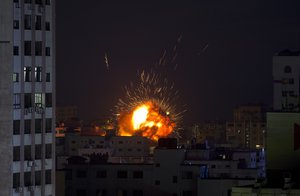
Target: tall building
286,72
248,127
27,97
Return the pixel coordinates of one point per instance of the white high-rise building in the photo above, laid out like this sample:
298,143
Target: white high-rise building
286,75
27,97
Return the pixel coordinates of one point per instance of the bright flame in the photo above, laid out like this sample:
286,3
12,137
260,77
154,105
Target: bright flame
139,116
147,120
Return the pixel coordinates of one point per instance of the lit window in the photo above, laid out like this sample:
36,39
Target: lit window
38,99
38,74
15,77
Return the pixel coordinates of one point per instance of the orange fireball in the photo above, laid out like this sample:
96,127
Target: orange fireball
147,120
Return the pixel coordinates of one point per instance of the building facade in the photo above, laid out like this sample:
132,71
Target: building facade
27,63
286,71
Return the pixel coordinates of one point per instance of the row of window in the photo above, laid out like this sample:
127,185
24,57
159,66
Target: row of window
28,178
288,94
39,100
27,126
28,154
103,174
28,52
28,75
28,24
39,2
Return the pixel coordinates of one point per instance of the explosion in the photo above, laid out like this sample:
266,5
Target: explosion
148,108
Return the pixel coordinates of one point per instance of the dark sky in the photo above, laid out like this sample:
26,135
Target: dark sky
236,41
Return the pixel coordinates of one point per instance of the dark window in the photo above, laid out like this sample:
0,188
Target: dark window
16,1
48,177
137,174
81,174
39,2
137,193
187,193
27,100
38,74
102,192
157,182
287,69
48,99
16,153
291,81
16,180
157,165
38,178
80,192
16,50
47,26
48,51
17,101
38,48
68,175
122,174
48,2
284,93
16,24
174,179
27,126
27,23
38,125
27,74
38,22
27,152
47,77
48,125
187,175
16,127
15,77
48,151
38,151
27,1
101,174
27,178
27,48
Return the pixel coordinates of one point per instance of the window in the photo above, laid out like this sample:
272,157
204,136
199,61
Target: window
39,2
187,175
38,151
80,192
291,80
47,51
287,69
38,178
187,193
38,125
16,153
27,1
48,176
48,125
157,182
81,174
15,77
27,152
101,174
48,151
16,180
157,165
48,99
17,101
27,178
27,74
27,48
175,179
27,126
122,174
38,48
137,174
284,93
38,99
137,193
27,100
16,127
47,2
47,77
47,26
38,74
102,192
16,24
16,50
27,23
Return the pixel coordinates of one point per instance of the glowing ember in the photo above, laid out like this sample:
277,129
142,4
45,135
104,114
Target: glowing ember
147,120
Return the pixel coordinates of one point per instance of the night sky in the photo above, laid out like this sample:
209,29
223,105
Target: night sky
224,57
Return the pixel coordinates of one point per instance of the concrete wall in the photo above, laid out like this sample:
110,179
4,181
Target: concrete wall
6,49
